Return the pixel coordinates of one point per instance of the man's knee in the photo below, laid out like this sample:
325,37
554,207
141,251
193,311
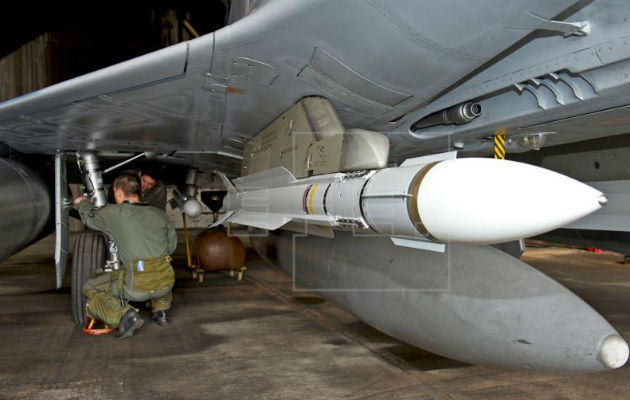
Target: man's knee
106,283
89,289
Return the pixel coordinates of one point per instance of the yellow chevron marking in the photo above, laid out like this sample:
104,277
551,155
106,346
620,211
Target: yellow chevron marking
501,149
499,144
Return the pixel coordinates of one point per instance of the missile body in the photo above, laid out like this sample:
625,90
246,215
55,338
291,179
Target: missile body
429,200
472,303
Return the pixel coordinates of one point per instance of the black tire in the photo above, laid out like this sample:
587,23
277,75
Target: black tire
88,260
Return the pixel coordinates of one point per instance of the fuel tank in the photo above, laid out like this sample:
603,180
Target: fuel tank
472,303
25,207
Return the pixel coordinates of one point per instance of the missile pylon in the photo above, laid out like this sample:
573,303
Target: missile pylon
423,203
471,303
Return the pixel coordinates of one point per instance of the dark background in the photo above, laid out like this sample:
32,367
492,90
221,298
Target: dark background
86,36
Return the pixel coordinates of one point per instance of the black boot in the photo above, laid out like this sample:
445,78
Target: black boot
129,323
160,318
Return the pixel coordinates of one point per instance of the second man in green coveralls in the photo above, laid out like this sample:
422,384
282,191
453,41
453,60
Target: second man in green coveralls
153,189
145,237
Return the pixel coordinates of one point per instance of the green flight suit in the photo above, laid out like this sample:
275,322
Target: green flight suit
156,196
145,237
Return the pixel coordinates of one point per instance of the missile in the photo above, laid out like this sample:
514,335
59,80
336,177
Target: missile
472,303
423,203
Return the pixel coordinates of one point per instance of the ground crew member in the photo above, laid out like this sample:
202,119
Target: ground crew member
153,190
145,238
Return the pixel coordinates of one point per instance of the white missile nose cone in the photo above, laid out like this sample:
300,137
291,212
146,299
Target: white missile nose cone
613,352
476,200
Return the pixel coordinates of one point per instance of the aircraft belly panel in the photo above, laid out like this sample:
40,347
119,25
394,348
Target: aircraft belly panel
375,59
357,55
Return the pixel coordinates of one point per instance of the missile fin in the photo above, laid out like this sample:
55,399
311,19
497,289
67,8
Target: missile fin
308,229
419,244
270,222
227,182
451,155
224,218
271,178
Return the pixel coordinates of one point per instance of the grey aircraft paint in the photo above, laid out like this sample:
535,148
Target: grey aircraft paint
25,207
555,68
384,64
473,303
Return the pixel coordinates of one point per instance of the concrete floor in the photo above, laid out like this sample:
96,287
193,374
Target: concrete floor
255,339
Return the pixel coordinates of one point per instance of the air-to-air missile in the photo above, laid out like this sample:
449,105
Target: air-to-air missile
404,248
423,203
462,300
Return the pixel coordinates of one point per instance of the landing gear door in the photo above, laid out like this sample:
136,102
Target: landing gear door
61,218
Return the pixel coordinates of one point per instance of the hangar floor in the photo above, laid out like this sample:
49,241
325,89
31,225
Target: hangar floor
256,339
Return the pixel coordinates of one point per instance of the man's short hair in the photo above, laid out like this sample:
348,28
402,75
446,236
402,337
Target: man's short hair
129,183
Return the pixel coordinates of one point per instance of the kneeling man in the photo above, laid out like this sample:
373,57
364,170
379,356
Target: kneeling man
145,237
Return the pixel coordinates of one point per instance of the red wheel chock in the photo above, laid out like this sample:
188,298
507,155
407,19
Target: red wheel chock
94,327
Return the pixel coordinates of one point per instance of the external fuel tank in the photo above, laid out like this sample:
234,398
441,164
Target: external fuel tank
25,206
472,303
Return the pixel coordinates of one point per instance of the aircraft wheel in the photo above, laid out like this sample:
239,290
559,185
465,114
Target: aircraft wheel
88,260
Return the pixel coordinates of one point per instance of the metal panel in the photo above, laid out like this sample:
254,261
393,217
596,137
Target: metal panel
342,83
418,56
61,219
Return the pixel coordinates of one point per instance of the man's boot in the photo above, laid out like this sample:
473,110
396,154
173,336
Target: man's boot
160,317
129,323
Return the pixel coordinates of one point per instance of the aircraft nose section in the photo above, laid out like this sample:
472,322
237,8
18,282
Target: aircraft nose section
613,352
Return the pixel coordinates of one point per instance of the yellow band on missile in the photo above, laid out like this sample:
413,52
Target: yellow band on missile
310,199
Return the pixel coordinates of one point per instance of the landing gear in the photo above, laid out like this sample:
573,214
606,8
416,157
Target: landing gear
88,261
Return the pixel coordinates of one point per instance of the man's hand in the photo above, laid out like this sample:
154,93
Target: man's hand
80,199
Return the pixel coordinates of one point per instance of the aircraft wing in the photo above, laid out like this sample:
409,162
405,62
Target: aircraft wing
558,66
545,72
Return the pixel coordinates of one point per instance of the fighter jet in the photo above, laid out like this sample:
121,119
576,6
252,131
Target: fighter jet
364,139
